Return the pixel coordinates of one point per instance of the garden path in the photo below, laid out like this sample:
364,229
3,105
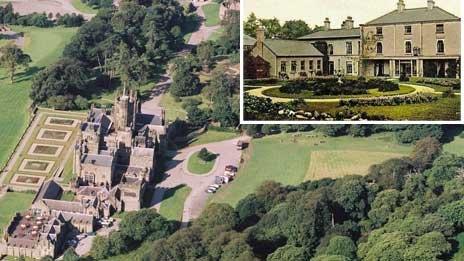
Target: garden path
205,31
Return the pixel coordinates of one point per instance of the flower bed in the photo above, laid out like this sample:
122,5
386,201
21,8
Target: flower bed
390,101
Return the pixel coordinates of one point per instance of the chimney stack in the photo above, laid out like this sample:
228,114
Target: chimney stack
260,34
348,23
327,24
401,6
430,4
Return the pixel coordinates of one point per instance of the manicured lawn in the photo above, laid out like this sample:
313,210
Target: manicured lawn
45,46
11,203
216,35
172,206
68,196
456,146
135,254
213,136
174,108
275,92
287,159
211,14
443,109
197,166
83,7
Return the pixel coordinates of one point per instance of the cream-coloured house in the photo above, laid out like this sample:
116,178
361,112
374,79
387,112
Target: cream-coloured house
343,46
288,58
423,42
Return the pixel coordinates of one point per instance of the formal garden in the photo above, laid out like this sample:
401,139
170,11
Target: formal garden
352,99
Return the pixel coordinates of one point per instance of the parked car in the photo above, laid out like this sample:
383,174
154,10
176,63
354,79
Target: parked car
231,168
216,186
211,191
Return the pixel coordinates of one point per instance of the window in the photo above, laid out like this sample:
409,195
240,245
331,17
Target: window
311,65
440,28
379,31
349,67
303,66
283,66
349,48
379,48
408,29
440,46
331,49
408,47
293,66
318,64
359,47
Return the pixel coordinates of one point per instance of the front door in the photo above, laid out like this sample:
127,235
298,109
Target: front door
406,68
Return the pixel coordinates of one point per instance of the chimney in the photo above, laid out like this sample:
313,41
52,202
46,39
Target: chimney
260,37
401,6
348,23
327,24
430,4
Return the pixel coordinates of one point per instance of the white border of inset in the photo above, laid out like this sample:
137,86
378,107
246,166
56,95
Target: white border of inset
46,171
35,145
42,131
50,118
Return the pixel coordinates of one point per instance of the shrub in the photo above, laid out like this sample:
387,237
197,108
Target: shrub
61,102
390,101
205,155
383,86
81,103
294,86
190,102
404,77
261,81
333,87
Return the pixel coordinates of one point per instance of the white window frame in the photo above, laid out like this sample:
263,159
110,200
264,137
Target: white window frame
405,50
352,67
346,47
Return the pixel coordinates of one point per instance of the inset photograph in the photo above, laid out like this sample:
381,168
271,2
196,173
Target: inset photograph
314,60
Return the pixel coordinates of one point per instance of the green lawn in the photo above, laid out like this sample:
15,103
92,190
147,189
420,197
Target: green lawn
443,109
172,206
83,7
211,14
68,196
45,46
275,92
197,166
286,159
216,35
456,146
11,203
211,136
135,254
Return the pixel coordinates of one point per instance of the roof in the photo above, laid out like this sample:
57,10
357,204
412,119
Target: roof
248,40
291,48
49,190
67,206
98,160
333,33
415,15
148,119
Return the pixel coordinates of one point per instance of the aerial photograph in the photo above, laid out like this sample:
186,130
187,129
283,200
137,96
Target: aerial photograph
121,140
386,60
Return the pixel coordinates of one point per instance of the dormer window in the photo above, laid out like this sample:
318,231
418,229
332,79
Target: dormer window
408,29
440,28
379,31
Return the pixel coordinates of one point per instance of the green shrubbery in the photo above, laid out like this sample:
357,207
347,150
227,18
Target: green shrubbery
295,86
455,84
390,101
383,86
261,81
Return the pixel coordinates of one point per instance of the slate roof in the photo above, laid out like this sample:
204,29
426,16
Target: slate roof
49,190
333,34
99,160
248,40
415,15
286,48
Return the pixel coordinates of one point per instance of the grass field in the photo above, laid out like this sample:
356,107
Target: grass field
212,136
135,254
173,202
216,35
197,166
287,160
11,203
83,7
45,46
456,146
211,14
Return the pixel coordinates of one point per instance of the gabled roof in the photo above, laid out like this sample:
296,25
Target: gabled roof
285,48
248,40
49,190
333,33
415,15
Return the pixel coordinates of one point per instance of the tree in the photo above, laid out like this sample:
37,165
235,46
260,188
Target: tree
272,27
196,116
341,246
414,133
430,246
101,248
205,53
425,151
13,57
70,255
294,29
184,81
390,174
351,194
218,215
205,155
288,252
251,25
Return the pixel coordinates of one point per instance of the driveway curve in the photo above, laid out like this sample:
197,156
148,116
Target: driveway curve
176,174
418,89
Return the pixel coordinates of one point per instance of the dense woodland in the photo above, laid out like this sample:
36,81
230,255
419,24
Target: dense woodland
408,208
129,46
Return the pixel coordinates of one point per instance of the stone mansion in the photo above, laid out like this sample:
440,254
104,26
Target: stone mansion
114,160
419,42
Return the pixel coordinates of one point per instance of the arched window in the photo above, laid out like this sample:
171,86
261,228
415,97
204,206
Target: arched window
379,48
440,46
408,47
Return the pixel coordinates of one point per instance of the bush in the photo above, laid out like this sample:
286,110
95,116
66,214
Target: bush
333,87
261,81
404,77
81,103
190,102
390,101
294,87
61,102
205,155
383,86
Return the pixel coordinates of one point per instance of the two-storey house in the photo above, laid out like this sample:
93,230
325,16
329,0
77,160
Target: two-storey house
343,46
423,42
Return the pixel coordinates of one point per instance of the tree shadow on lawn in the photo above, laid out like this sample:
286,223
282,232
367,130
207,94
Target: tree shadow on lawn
26,75
168,193
451,131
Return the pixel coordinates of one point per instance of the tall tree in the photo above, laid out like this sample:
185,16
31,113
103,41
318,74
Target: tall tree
272,27
13,57
294,29
251,25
